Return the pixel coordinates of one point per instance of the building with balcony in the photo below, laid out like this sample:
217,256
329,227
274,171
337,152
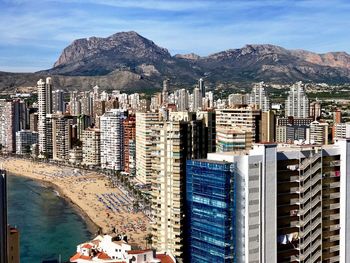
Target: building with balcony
291,204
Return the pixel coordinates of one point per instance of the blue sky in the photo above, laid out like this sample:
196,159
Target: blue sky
34,32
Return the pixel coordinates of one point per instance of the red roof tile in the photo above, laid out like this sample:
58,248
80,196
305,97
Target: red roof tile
165,258
87,246
102,255
78,256
134,252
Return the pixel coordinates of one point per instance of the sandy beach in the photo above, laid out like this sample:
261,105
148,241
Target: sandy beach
109,208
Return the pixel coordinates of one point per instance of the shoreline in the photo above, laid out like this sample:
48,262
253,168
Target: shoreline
81,191
92,227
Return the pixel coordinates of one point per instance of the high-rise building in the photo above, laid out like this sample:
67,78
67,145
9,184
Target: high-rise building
297,103
290,205
181,99
129,126
237,99
341,130
11,121
44,108
318,132
268,126
61,136
91,147
33,119
175,142
197,99
58,101
259,97
112,139
338,116
165,92
25,140
145,121
201,87
240,119
315,110
209,119
230,139
210,212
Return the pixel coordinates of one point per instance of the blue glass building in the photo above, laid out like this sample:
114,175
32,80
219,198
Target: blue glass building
210,206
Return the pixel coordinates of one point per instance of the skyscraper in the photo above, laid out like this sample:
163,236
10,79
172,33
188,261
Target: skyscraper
61,136
58,101
91,147
201,87
129,126
45,108
297,103
165,92
145,121
259,97
112,140
291,204
175,142
11,121
242,121
197,99
209,185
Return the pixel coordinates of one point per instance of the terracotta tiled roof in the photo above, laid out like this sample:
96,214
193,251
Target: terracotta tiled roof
134,252
102,255
78,256
87,246
165,258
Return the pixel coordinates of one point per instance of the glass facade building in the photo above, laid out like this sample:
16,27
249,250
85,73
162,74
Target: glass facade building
210,201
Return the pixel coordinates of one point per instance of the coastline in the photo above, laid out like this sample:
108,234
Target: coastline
91,225
80,192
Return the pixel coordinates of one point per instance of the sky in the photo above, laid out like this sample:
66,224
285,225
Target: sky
33,33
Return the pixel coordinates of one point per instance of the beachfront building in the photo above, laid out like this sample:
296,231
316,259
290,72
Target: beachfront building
108,249
175,142
61,136
25,140
44,108
12,119
283,203
145,121
91,147
112,139
129,126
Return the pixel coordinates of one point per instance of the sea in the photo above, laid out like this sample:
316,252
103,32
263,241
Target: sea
50,227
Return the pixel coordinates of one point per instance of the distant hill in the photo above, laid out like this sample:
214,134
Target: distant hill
127,60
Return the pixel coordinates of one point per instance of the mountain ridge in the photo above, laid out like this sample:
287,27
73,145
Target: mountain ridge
134,61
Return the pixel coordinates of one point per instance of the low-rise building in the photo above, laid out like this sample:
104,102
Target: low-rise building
108,249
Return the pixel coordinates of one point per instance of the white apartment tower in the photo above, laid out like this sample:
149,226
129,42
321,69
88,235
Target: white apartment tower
112,139
145,121
197,100
45,108
297,103
259,97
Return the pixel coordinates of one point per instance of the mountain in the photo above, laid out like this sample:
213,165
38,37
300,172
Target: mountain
127,60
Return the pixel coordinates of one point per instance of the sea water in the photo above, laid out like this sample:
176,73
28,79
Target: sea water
49,226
